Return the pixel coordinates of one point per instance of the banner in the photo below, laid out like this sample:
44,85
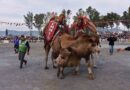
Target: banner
11,23
50,30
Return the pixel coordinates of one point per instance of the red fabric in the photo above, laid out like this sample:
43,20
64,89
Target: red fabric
89,24
50,30
76,27
81,25
85,23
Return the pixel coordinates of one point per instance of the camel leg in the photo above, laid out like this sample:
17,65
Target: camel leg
47,49
90,68
52,57
60,73
93,61
77,70
90,71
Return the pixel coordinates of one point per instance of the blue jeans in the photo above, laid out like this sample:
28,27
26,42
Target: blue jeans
21,58
111,49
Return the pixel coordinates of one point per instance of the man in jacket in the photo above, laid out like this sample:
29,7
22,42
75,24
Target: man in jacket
24,48
111,41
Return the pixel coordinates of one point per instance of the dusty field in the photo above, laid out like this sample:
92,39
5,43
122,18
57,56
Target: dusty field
113,72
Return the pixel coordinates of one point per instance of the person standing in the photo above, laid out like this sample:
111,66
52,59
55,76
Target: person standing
111,41
24,48
16,44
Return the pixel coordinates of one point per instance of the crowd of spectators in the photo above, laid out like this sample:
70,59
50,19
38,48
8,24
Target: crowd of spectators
121,37
29,38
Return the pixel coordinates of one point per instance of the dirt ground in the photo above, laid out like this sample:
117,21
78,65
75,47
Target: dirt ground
112,73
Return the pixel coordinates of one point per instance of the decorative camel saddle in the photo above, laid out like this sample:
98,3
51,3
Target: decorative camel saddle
50,30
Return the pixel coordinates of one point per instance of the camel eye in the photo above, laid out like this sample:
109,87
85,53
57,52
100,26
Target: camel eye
90,40
62,57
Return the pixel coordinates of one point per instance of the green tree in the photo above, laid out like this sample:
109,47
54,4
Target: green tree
93,13
102,22
117,17
126,18
38,22
110,19
114,18
46,18
29,21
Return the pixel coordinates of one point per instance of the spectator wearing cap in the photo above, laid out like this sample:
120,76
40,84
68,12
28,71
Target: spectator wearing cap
24,48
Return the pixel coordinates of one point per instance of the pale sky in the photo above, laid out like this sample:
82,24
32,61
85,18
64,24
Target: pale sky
13,10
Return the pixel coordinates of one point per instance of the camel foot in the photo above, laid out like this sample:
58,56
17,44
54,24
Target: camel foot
91,76
95,67
61,77
54,67
76,73
46,68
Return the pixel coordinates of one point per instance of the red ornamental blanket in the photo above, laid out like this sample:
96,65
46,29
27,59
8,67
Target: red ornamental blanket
50,31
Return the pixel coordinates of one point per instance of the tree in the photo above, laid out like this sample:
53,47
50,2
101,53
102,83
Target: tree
117,17
89,12
114,18
102,22
110,19
93,13
68,12
46,18
38,22
126,18
29,21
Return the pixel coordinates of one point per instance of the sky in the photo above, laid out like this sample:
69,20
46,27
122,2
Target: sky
13,10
